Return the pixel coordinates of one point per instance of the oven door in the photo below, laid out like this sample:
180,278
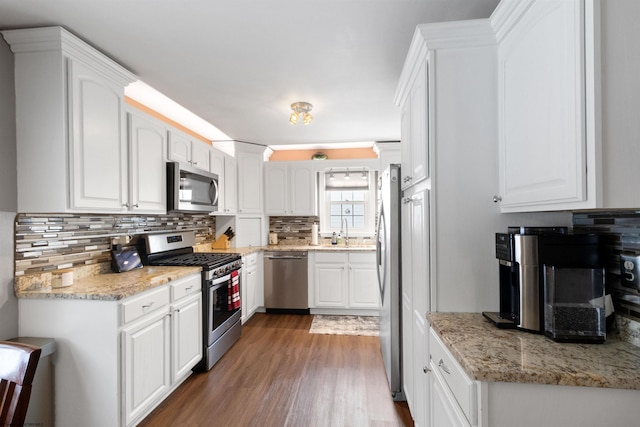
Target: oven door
223,305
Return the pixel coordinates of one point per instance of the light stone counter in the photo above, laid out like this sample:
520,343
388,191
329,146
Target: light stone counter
206,247
488,353
107,287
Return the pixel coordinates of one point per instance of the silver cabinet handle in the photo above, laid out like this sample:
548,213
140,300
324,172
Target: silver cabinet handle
125,205
497,199
145,306
444,367
425,369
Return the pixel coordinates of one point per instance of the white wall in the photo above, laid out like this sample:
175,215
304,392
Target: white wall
8,195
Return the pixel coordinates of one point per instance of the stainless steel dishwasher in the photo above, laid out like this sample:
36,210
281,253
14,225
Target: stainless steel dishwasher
285,282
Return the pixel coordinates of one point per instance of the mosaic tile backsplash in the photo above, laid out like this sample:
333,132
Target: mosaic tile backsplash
47,242
296,230
620,232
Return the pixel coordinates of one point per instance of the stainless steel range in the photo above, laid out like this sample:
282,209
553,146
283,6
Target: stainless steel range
220,286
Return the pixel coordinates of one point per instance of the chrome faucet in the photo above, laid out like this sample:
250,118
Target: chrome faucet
346,225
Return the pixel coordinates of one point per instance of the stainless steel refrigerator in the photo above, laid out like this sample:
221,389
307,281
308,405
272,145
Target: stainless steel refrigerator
389,277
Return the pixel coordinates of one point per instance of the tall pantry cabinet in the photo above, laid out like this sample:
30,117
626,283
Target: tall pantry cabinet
448,96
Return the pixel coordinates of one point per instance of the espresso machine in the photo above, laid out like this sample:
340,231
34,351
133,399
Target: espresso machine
525,255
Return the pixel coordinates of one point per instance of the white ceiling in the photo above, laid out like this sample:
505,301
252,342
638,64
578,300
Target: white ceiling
239,64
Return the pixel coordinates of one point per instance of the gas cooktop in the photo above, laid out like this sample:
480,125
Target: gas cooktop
206,260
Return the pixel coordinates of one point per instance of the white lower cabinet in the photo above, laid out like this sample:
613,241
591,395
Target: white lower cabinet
187,336
252,285
344,280
457,400
453,394
117,360
159,348
146,363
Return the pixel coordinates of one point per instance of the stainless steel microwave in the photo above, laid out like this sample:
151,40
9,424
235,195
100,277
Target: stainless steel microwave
190,189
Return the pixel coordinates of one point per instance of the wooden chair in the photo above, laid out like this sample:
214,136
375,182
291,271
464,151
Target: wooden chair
18,364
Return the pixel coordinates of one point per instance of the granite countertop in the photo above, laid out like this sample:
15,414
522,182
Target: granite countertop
286,248
108,286
488,353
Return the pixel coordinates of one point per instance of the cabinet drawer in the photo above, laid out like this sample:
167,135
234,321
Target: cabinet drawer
185,286
331,257
362,258
138,306
250,260
461,386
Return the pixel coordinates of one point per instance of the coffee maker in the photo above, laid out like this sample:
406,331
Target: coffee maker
523,253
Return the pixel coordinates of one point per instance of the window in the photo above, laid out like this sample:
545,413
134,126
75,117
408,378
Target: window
348,196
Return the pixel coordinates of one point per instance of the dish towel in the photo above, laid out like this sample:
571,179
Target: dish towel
234,291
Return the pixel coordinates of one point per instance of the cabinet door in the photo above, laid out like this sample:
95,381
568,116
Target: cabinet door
419,127
407,305
302,190
98,146
250,183
363,285
201,155
276,189
251,283
187,335
330,285
146,364
179,147
147,165
443,409
419,370
230,185
405,147
414,125
542,107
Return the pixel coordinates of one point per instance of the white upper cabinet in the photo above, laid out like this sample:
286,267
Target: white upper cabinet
185,149
70,124
147,164
544,132
412,96
565,141
290,188
225,166
250,161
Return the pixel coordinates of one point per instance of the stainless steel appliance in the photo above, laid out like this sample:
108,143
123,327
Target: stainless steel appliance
523,253
221,276
389,277
190,189
285,282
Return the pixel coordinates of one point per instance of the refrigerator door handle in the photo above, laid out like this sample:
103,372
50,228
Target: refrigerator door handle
379,252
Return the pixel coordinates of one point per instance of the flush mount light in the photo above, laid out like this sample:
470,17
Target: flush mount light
331,174
301,109
346,175
364,174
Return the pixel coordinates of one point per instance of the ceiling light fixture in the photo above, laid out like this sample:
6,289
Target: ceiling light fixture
346,175
331,174
301,109
364,174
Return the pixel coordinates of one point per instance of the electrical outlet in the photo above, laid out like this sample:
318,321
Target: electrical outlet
630,270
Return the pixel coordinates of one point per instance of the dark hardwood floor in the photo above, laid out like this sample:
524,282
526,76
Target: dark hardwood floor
278,374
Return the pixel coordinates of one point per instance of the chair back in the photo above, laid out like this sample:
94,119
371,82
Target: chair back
18,364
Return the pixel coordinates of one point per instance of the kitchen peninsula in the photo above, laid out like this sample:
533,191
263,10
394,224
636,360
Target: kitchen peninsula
485,376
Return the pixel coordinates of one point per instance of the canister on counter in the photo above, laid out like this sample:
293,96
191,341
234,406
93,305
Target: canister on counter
61,278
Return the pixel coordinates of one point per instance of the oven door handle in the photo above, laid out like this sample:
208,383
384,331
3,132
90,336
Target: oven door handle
221,280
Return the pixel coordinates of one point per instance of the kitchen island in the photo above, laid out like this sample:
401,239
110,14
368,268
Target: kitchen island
485,376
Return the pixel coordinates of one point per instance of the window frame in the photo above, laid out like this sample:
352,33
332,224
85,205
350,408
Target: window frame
370,205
